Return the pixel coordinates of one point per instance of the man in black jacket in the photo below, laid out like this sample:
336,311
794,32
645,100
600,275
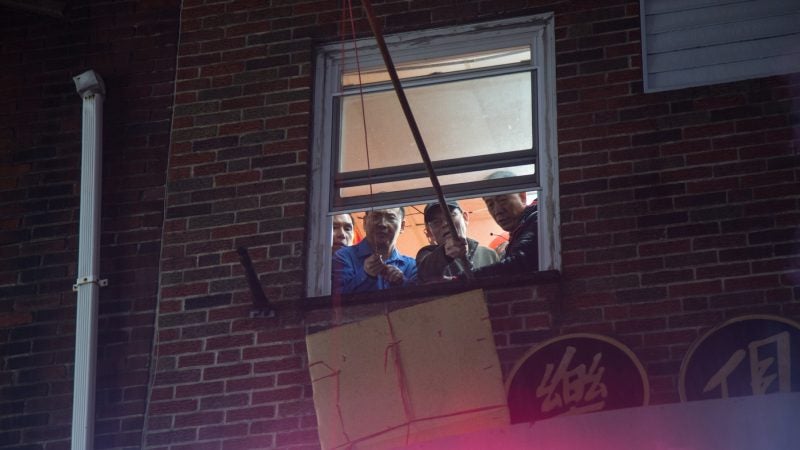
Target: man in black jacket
521,221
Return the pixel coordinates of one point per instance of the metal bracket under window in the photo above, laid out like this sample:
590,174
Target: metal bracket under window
88,280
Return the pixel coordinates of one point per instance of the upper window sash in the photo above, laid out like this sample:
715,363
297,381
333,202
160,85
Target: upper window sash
445,152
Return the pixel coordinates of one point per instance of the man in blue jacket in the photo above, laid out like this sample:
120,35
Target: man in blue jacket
374,263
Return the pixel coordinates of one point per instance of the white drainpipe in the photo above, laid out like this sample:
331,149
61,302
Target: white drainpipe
91,88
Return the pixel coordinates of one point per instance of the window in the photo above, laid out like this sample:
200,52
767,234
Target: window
483,96
698,42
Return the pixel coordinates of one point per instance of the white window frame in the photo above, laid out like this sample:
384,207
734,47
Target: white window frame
537,31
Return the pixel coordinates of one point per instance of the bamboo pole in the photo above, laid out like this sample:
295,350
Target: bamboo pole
412,124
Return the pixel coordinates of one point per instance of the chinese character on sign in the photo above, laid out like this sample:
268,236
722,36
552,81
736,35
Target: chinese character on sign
575,374
763,372
751,355
579,387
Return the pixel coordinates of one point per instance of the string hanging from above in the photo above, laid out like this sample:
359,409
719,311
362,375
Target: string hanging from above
412,123
347,17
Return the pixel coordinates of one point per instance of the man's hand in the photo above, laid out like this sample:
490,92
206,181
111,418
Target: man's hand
374,265
393,275
455,248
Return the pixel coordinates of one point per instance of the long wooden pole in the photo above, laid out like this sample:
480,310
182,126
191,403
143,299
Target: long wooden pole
412,124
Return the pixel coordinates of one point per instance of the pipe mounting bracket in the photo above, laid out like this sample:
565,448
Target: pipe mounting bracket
89,280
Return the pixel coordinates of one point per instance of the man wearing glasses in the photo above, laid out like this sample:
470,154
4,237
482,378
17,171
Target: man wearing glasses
438,262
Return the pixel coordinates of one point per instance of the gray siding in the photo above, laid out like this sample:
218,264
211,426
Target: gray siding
697,42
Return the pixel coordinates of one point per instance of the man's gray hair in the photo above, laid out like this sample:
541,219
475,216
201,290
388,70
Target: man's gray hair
501,174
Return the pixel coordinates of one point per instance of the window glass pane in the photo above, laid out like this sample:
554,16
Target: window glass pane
450,64
457,119
419,183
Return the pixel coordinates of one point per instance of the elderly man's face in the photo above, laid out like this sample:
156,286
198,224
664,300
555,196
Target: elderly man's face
439,229
506,209
342,231
382,227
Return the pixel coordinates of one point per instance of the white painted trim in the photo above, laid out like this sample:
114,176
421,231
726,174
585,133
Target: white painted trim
549,211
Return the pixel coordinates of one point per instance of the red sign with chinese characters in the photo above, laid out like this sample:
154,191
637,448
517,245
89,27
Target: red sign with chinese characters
750,355
575,374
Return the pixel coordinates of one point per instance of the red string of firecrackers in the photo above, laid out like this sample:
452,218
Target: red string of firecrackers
336,297
343,36
347,16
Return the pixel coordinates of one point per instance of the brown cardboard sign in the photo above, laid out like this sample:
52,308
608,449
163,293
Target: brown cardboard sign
749,355
418,373
574,374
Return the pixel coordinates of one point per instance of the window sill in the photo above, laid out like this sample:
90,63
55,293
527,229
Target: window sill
429,290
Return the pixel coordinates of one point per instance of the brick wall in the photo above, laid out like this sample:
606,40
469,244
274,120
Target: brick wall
132,46
679,210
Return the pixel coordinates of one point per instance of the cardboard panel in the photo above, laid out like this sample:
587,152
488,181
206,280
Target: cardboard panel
418,373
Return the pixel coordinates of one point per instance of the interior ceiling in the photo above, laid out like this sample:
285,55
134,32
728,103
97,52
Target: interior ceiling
52,8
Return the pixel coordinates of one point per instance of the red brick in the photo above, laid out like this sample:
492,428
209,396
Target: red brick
659,309
597,294
704,319
223,401
184,290
641,265
613,313
198,419
251,383
179,347
723,270
271,426
667,277
173,407
538,321
219,343
237,178
267,351
277,365
251,413
294,377
222,431
640,325
507,324
241,127
235,370
297,437
199,389
278,395
198,359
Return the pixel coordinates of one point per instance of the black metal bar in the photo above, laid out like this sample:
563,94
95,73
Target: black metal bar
442,167
464,190
260,300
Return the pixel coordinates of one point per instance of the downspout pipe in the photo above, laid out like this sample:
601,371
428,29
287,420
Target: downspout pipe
91,88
